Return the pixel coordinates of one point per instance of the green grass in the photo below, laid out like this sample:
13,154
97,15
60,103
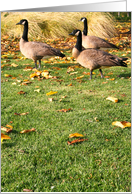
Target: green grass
43,161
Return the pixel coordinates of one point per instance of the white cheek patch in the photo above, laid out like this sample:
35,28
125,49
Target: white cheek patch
83,19
77,33
23,23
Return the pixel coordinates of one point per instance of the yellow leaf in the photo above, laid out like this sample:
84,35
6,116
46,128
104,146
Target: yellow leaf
45,73
14,65
7,75
25,113
51,93
75,135
121,124
3,136
112,79
33,75
9,126
80,77
112,99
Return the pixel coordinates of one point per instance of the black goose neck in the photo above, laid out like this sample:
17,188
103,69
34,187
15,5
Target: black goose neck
25,31
85,30
79,42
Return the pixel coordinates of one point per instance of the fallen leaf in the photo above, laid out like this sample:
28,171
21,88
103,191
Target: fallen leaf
3,136
21,92
75,135
122,124
33,75
26,82
27,190
9,126
50,99
107,76
95,118
51,93
7,75
64,110
112,79
7,130
28,130
112,99
14,65
104,82
76,141
28,68
80,77
70,84
38,90
14,83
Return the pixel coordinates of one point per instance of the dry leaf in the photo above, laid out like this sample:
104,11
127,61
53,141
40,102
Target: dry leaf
70,84
27,68
45,73
122,124
95,118
14,65
7,130
21,92
7,75
62,98
28,130
75,135
51,93
104,82
112,79
112,99
3,136
38,90
76,141
26,82
80,77
9,126
64,110
27,190
33,75
50,99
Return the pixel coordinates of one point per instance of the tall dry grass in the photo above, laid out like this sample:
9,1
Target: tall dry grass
57,24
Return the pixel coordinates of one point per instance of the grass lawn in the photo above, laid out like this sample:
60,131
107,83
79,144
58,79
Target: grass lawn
42,160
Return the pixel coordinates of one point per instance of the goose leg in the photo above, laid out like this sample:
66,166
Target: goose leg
35,64
101,73
39,63
91,74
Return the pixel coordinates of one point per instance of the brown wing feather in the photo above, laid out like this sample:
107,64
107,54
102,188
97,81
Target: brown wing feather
94,59
96,42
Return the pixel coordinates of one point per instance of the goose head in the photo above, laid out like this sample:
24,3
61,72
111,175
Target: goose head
22,22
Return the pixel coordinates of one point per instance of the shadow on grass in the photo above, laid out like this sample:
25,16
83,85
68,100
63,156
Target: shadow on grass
125,75
5,145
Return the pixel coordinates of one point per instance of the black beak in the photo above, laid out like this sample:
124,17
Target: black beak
71,33
18,23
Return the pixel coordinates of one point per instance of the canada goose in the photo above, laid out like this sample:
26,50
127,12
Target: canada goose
35,50
94,58
93,41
